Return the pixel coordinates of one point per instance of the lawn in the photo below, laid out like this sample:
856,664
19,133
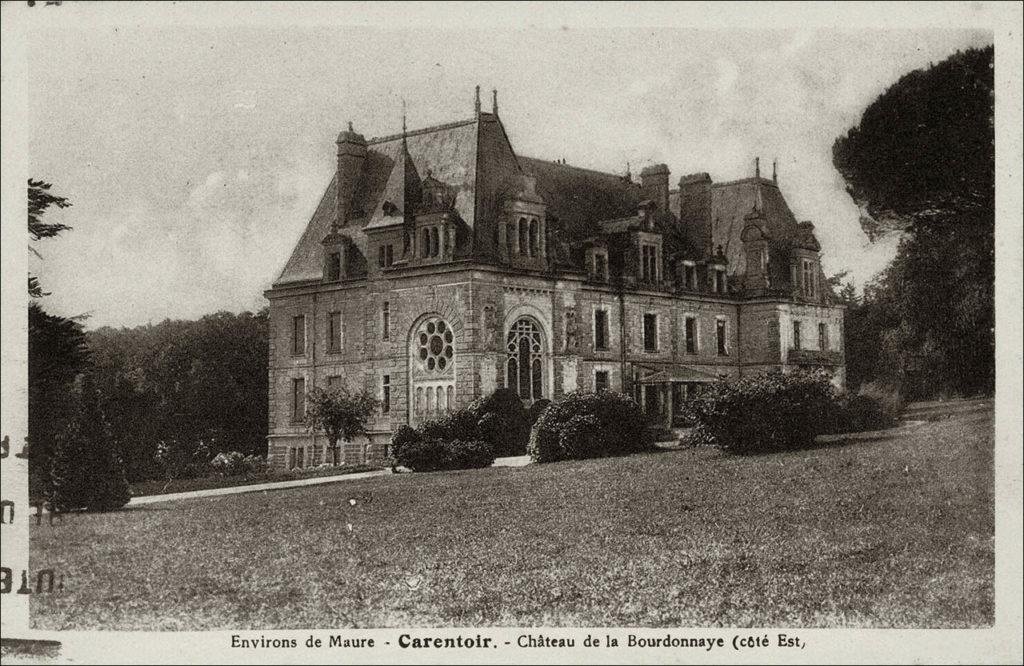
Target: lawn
896,531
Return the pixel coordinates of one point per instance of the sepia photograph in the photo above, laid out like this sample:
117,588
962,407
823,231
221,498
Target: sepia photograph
469,337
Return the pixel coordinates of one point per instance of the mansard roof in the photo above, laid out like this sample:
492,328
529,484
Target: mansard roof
448,151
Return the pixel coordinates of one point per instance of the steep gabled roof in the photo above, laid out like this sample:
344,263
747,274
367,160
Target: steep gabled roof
730,204
448,151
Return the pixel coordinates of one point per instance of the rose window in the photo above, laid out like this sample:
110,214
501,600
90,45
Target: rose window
435,348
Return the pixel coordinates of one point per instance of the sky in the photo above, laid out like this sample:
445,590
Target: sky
194,156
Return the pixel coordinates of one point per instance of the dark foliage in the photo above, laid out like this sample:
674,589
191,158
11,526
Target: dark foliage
459,425
339,414
39,199
86,468
503,422
184,389
921,161
589,425
769,412
431,455
57,354
403,435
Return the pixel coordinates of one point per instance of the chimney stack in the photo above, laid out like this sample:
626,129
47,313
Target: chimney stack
351,155
757,167
476,104
494,103
775,173
654,185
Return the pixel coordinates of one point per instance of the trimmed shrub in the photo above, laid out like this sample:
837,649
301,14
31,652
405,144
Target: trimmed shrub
431,455
768,412
402,436
536,409
589,425
503,422
460,425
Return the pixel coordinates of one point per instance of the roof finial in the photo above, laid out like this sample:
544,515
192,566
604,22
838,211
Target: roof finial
477,105
629,174
350,126
494,103
757,167
775,173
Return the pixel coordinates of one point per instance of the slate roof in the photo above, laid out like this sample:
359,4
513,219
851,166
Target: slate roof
580,198
449,151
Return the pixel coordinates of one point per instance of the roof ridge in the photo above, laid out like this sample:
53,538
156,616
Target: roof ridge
578,168
751,179
425,130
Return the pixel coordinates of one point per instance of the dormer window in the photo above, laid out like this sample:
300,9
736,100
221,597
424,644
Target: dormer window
808,274
719,283
599,268
389,208
648,262
334,266
690,275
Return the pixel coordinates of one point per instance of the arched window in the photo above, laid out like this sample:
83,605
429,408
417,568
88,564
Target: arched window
434,242
425,244
451,397
510,238
419,399
524,237
524,364
534,236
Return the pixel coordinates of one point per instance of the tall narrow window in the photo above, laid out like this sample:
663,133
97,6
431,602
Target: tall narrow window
601,330
650,332
690,330
534,239
648,263
524,366
334,266
510,239
425,244
796,335
600,380
435,242
385,400
299,335
334,332
823,337
298,399
380,256
721,333
389,254
524,240
386,321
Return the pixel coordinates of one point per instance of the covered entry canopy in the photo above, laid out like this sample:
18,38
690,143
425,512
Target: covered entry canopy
678,374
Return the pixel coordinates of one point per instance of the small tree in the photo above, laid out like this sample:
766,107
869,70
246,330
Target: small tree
339,414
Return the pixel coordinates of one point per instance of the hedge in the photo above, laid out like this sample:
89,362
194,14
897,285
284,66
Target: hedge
431,455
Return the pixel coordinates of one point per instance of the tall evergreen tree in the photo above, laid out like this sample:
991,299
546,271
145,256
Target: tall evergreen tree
922,163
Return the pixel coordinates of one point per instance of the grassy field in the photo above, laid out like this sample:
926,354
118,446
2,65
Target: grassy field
892,532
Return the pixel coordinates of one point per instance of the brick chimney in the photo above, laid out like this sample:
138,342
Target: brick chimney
351,155
654,185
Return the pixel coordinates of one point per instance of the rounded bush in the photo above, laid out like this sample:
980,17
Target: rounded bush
457,425
768,412
589,425
402,436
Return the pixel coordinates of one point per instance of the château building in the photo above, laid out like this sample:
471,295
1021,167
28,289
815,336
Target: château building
440,265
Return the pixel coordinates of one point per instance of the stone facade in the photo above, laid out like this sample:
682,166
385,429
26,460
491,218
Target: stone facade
440,266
